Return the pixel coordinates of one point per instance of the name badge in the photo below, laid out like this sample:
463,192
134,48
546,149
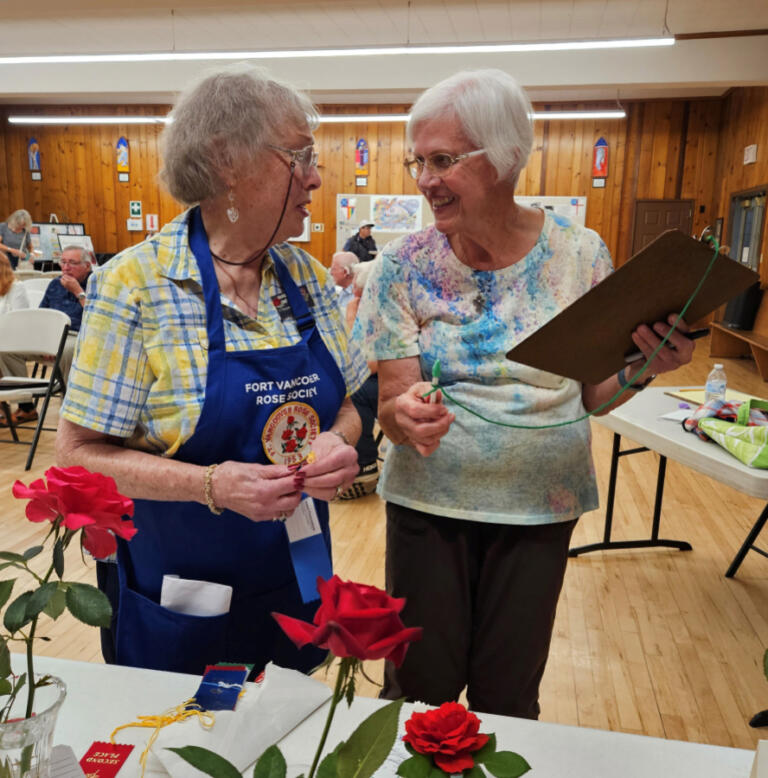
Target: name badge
309,553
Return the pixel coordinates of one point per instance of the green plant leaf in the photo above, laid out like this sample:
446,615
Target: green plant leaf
370,743
765,663
5,659
31,553
56,604
89,605
40,599
328,767
207,762
6,587
506,764
488,749
58,558
16,613
474,772
10,556
418,766
271,764
6,687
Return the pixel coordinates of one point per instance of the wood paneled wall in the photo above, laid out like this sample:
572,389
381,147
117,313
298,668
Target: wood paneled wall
666,149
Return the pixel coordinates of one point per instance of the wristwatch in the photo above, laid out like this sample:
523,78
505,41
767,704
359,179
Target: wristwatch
81,296
624,381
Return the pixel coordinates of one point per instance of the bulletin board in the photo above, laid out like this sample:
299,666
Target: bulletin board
45,237
396,215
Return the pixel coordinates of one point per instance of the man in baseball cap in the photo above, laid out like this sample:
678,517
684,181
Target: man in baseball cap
362,243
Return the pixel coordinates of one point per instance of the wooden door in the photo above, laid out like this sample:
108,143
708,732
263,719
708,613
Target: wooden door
652,217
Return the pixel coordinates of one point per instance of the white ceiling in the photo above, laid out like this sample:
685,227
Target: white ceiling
697,67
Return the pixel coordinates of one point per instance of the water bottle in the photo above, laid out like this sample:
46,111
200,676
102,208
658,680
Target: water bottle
714,389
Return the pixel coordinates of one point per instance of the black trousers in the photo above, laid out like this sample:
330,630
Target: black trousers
486,595
366,401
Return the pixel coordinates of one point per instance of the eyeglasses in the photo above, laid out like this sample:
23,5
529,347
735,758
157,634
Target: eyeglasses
438,164
306,158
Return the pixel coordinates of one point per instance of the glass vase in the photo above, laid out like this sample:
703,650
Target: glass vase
26,743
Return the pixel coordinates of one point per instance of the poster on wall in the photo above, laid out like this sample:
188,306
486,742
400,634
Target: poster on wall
33,159
398,213
45,237
122,157
361,157
574,208
600,159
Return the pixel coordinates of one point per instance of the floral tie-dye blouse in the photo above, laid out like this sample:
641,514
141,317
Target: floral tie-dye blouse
422,301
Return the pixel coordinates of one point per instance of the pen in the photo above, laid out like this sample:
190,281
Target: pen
692,335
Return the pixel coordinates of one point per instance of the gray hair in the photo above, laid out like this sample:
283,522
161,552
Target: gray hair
223,121
492,109
85,254
20,218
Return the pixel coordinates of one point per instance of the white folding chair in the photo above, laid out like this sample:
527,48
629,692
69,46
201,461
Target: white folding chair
39,332
37,284
23,275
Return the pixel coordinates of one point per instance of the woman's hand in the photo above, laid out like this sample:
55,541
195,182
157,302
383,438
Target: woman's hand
677,351
17,253
335,467
259,492
424,420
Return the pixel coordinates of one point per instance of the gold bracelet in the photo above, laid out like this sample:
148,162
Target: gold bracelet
209,491
342,436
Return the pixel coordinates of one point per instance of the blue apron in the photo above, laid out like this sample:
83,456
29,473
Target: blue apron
186,539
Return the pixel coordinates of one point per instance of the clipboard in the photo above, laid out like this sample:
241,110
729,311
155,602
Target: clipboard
590,338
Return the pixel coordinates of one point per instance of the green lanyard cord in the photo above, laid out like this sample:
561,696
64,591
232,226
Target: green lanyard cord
436,367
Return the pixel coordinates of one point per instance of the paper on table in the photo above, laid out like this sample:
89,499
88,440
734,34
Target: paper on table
264,714
195,598
64,763
681,414
696,395
760,765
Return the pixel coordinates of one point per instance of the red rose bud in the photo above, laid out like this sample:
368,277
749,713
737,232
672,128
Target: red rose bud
450,735
354,620
84,500
291,419
302,433
287,434
290,445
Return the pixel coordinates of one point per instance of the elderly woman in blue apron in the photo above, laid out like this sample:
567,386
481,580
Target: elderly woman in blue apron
212,381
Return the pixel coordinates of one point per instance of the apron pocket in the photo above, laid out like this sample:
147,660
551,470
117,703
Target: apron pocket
154,637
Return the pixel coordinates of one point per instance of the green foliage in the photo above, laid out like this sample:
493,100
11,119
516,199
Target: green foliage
271,764
56,604
474,772
40,599
6,587
488,749
58,557
506,764
15,616
208,762
89,605
418,766
370,743
329,766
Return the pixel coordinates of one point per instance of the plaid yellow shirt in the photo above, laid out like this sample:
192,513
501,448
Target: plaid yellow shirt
141,359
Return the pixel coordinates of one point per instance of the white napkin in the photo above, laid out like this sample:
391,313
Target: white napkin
264,714
195,598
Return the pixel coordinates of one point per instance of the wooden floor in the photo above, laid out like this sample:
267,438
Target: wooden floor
655,642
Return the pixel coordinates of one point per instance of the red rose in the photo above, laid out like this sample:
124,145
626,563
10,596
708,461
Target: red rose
448,734
291,419
302,433
83,500
290,445
287,434
354,620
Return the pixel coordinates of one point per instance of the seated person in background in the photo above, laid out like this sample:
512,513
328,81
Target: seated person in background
13,297
365,399
67,294
13,232
342,265
362,244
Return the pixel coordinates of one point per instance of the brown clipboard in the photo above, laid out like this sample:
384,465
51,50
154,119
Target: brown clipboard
590,338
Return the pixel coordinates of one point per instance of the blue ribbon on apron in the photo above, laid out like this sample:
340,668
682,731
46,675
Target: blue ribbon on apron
186,539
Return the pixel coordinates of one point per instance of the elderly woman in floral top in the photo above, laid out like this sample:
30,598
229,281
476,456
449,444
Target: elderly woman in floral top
479,516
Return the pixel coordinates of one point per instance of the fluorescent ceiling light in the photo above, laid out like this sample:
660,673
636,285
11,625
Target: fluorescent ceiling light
88,119
340,118
373,51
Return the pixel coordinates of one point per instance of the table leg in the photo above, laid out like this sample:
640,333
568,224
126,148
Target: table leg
749,543
654,541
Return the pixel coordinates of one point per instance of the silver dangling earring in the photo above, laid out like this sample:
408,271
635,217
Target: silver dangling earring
232,213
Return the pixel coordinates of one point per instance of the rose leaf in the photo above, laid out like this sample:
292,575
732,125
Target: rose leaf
16,613
474,772
369,744
506,764
208,762
418,766
488,749
6,587
89,605
271,764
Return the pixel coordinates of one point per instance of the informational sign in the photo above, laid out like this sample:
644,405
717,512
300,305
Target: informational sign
33,154
135,209
361,158
123,159
134,225
152,220
600,159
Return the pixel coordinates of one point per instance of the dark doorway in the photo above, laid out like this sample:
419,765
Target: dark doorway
652,217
